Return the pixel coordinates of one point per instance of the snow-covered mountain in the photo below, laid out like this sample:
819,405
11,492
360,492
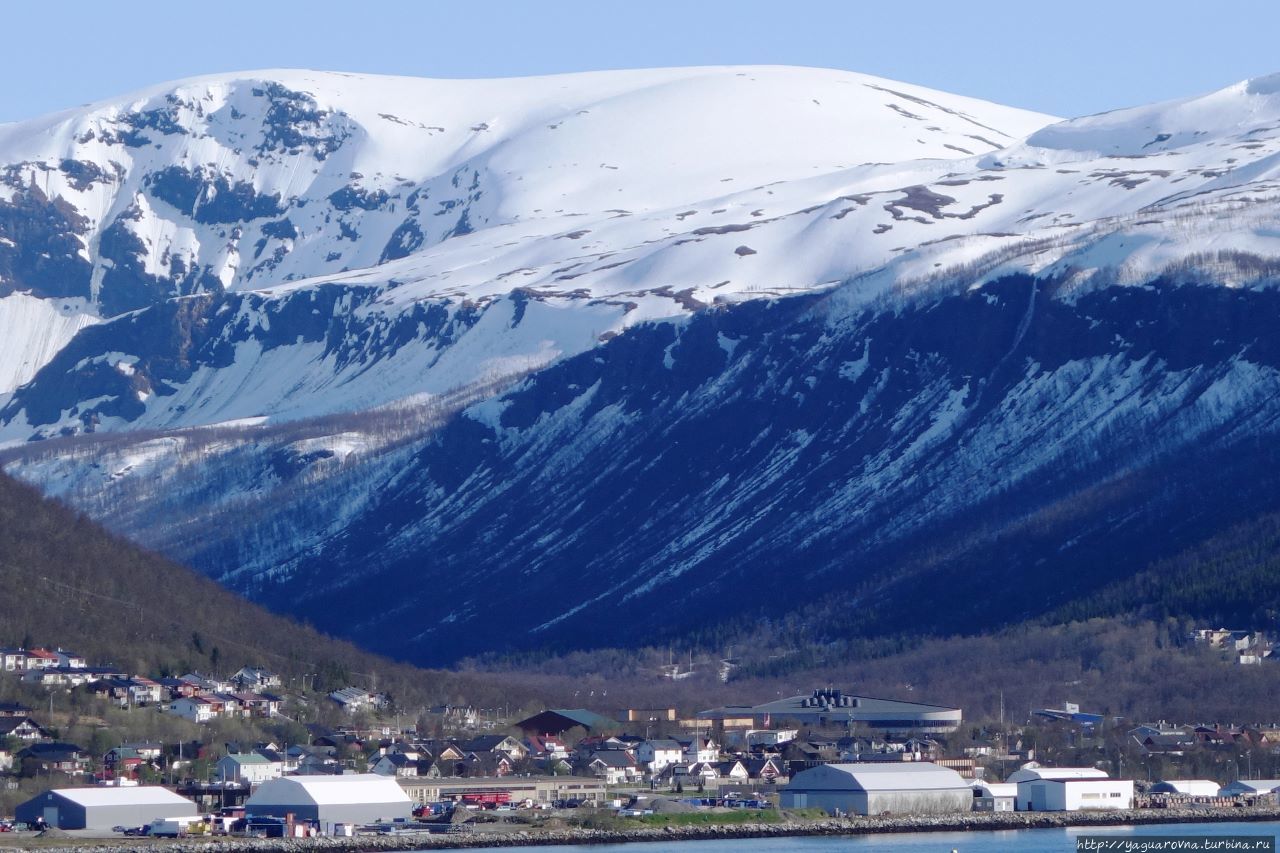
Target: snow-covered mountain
681,333
432,197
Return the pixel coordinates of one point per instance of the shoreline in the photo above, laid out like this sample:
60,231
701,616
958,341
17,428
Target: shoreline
964,822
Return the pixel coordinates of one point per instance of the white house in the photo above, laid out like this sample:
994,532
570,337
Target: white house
249,768
206,683
657,755
194,708
40,659
1069,789
352,699
255,678
70,660
394,764
614,766
702,750
771,737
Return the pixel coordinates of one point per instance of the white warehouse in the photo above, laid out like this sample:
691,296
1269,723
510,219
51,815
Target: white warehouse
910,787
328,800
1070,789
1187,787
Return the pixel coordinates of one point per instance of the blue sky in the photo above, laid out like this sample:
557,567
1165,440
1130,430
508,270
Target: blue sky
1064,58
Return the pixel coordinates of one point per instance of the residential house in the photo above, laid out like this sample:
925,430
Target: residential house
412,751
1168,744
485,764
394,764
700,750
589,746
54,757
69,660
127,692
734,769
457,716
614,766
496,743
318,764
232,704
143,691
206,683
443,750
197,709
803,754
546,747
13,709
353,699
770,770
13,660
176,688
122,763
22,728
39,659
148,750
656,755
1220,737
258,704
64,676
770,737
249,768
703,770
255,679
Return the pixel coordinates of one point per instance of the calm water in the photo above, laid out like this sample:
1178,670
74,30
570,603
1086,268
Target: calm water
1014,841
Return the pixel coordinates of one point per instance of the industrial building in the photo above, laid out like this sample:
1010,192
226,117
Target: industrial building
1249,787
1069,789
505,789
557,721
994,796
827,707
902,788
1187,787
103,808
328,800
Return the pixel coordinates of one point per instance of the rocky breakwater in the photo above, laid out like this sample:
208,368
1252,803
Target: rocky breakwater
519,837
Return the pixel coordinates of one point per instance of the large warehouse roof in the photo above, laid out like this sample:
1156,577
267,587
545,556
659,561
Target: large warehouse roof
131,796
836,706
879,776
1056,774
352,789
556,720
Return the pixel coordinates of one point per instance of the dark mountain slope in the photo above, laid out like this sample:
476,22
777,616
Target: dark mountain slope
69,582
971,461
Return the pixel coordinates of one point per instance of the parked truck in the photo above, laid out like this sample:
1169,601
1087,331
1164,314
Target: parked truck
176,827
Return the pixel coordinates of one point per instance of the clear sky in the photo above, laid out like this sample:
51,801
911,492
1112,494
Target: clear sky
1068,58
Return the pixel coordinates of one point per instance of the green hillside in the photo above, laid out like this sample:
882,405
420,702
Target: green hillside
69,583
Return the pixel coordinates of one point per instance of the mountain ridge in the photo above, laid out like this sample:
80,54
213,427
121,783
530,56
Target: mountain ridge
878,380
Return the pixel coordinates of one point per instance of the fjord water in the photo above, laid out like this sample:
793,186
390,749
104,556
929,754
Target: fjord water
1013,841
